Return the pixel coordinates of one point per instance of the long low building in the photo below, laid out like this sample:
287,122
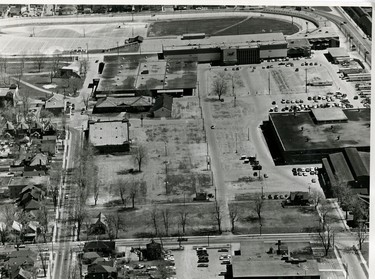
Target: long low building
307,137
228,50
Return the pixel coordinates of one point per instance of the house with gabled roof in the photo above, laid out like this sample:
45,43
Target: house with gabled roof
20,273
162,106
99,224
96,271
56,104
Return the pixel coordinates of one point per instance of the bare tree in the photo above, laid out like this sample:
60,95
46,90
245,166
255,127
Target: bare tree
9,112
219,85
155,220
233,215
115,224
79,216
45,114
84,66
361,233
317,197
8,213
120,188
40,61
326,236
75,84
218,215
133,191
258,206
43,218
183,217
3,233
140,156
166,216
96,191
43,259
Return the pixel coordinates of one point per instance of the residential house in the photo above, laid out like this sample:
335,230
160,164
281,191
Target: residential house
89,257
21,261
298,198
162,106
6,97
16,184
56,104
96,271
99,224
20,273
29,232
103,248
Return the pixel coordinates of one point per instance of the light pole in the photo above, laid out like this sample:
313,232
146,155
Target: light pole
87,50
118,51
306,80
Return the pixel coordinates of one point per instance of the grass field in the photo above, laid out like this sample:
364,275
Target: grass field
221,26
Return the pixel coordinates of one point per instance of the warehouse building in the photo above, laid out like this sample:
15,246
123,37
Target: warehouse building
350,166
308,137
299,47
338,55
145,75
228,50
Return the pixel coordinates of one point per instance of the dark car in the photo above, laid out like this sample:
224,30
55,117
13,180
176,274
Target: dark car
223,250
202,265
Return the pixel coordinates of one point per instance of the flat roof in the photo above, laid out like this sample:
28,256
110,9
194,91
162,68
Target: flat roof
245,267
354,133
130,73
328,114
103,133
252,40
298,43
337,52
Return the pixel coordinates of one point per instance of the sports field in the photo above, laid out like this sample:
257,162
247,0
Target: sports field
221,26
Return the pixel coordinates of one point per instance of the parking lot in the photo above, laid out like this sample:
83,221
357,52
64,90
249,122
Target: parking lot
187,263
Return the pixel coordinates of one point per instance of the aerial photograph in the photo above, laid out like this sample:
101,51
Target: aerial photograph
185,141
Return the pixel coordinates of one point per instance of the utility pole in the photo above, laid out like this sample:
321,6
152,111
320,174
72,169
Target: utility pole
87,50
234,94
269,83
165,148
236,144
306,80
118,52
248,133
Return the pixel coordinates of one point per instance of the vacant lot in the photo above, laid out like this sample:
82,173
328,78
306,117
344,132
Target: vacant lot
275,218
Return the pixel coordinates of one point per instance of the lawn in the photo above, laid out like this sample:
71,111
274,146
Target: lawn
179,27
221,26
255,25
275,218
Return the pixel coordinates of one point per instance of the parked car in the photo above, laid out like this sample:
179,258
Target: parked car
202,265
225,262
313,180
223,250
139,266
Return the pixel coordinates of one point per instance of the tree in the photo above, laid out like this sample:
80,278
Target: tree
79,216
96,190
317,197
40,61
218,215
45,114
120,188
165,215
233,215
361,233
155,220
258,206
43,218
115,223
220,86
140,156
183,216
133,191
84,66
325,231
75,84
43,259
9,113
3,233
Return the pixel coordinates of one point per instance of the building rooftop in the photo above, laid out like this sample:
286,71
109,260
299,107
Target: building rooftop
356,162
299,132
298,43
34,180
337,52
339,167
244,267
331,114
103,133
146,73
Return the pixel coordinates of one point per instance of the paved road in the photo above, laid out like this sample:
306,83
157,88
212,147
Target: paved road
350,29
218,175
